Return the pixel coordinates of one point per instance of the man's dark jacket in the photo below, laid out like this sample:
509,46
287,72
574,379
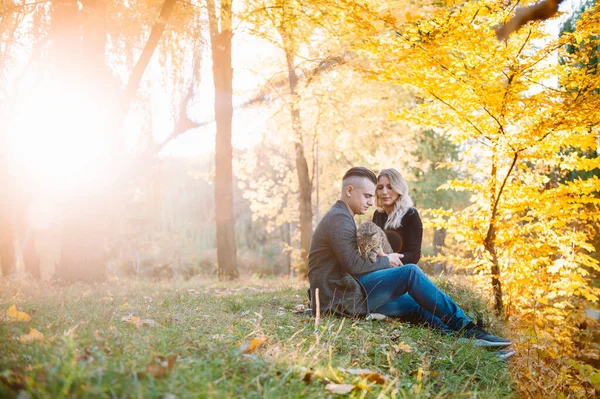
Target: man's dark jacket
333,262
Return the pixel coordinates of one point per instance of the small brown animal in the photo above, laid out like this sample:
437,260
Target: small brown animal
539,11
370,238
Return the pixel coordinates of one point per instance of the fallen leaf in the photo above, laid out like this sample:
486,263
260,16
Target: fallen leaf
369,375
13,380
138,322
339,389
157,371
161,367
402,347
34,335
12,314
252,345
300,308
308,377
124,305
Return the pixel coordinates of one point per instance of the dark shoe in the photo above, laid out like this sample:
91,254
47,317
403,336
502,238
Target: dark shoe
504,354
479,337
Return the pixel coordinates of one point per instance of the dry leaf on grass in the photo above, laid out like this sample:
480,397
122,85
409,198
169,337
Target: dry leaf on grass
138,322
378,316
160,367
339,388
301,308
251,346
12,314
34,335
308,377
369,375
402,347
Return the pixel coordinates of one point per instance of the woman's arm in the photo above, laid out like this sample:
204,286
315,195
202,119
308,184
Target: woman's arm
413,237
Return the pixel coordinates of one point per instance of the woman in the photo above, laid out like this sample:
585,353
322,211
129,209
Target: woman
397,217
402,225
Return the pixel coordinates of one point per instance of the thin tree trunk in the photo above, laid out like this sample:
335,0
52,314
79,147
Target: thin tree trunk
140,67
7,249
305,185
223,76
490,243
439,242
490,239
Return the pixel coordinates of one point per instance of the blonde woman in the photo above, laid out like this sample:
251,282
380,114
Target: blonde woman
397,217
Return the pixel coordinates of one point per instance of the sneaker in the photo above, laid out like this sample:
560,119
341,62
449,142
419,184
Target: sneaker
504,354
479,337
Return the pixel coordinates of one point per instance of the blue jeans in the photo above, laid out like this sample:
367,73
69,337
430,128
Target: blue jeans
407,293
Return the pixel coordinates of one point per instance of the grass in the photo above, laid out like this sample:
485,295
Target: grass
90,351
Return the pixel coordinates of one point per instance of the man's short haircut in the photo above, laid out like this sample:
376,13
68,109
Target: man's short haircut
362,172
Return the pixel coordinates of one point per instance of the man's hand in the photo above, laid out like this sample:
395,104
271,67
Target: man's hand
395,259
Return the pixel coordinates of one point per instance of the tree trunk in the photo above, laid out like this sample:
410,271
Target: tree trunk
304,182
286,237
7,249
140,67
78,45
439,242
223,76
490,243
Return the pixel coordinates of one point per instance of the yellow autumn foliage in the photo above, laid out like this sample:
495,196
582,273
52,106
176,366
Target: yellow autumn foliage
528,127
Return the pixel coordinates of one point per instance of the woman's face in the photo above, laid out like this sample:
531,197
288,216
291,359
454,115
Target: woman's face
385,193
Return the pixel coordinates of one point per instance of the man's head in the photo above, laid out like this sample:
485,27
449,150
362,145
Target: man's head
358,189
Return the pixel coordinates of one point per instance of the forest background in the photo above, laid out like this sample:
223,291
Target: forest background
180,138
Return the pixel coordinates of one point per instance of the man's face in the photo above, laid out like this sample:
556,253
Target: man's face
361,196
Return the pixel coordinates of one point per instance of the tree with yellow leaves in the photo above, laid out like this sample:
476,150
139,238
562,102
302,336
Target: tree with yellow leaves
515,109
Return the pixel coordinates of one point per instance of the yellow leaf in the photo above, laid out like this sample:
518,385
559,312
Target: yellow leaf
124,305
34,335
255,343
14,315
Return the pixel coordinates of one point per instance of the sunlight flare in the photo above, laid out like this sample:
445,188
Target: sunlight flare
59,138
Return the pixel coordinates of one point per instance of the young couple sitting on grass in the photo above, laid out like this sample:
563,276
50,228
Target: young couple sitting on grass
353,285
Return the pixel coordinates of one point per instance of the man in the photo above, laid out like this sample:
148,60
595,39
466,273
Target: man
352,286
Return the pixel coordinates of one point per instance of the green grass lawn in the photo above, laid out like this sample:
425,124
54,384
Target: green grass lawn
203,327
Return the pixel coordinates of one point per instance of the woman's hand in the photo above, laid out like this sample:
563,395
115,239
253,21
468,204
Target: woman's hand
401,256
395,259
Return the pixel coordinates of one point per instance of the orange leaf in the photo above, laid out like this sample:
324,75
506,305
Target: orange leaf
369,375
34,335
138,322
255,343
13,314
162,367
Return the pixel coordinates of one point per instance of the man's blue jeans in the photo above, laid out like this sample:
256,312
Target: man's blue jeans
407,293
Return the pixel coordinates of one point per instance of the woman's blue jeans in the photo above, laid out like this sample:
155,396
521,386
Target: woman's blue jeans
407,293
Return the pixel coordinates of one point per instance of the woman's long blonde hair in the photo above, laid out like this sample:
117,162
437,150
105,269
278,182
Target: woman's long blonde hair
403,203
